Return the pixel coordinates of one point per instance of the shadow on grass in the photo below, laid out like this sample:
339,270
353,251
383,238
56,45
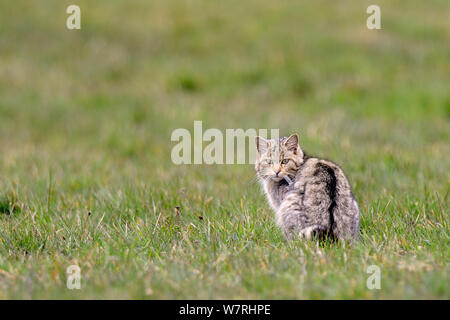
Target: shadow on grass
8,205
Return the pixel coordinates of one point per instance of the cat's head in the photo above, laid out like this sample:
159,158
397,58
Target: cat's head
278,158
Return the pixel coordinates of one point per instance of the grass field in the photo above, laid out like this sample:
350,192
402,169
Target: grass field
86,117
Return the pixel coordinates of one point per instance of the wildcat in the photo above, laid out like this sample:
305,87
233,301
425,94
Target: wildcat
311,197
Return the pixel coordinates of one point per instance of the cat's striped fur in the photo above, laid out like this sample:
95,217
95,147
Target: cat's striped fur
311,197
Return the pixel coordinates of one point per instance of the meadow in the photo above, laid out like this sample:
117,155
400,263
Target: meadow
86,176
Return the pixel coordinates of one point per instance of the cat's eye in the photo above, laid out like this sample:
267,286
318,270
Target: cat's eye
268,161
285,161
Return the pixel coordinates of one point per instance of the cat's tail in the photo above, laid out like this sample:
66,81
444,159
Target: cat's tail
345,214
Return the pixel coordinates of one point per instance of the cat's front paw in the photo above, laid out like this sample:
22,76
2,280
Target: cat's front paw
312,231
307,233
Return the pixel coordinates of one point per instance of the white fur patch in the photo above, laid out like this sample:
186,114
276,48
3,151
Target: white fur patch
307,232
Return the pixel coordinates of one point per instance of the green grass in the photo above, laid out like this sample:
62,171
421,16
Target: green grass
85,124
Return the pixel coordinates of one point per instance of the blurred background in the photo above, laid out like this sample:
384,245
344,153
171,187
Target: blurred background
112,92
84,113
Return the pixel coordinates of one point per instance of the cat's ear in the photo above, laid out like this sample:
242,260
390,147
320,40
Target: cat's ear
291,143
261,145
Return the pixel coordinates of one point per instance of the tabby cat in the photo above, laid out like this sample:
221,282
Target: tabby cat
311,197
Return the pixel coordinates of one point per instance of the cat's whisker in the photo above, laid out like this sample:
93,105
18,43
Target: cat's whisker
288,180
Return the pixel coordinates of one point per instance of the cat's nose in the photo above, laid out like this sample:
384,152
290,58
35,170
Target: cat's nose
277,172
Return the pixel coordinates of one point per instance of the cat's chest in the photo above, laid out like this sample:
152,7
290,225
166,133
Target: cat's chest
277,192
